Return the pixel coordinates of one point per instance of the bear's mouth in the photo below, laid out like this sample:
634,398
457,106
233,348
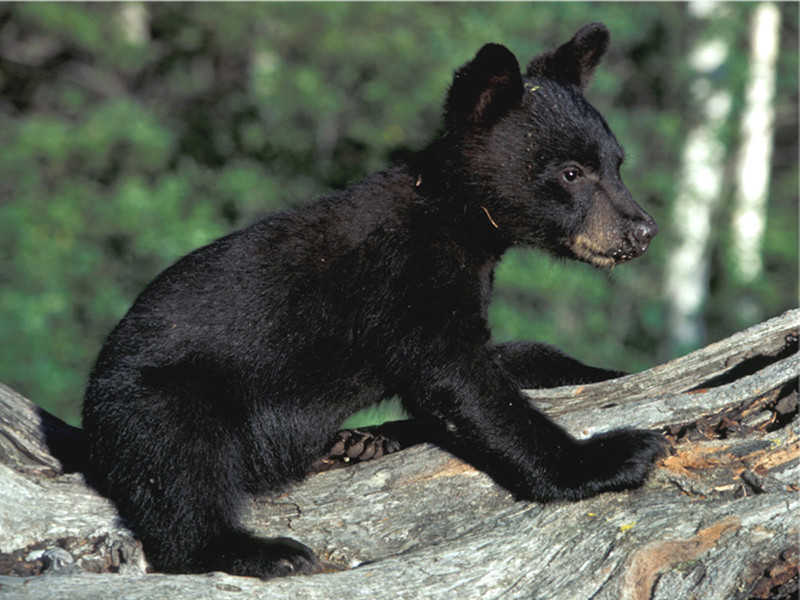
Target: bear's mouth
586,250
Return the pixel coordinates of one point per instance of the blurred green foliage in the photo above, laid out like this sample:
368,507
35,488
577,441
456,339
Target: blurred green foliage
132,133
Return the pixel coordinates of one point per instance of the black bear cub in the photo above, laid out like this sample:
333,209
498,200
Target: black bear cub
233,371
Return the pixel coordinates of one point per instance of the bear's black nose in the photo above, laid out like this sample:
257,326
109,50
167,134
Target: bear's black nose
643,233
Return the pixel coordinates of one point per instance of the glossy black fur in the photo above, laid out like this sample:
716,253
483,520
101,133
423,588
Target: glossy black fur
234,369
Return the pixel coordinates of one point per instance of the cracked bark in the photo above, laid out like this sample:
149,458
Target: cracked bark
716,521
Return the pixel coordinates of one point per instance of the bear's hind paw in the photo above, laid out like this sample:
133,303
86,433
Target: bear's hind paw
243,554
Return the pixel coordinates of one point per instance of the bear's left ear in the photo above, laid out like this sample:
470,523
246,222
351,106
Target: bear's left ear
484,89
574,62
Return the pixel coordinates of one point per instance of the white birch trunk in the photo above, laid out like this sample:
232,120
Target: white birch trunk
752,177
699,192
134,20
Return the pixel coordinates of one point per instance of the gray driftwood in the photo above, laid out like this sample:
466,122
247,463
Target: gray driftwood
718,520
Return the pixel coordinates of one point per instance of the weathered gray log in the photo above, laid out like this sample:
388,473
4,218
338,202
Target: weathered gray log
719,519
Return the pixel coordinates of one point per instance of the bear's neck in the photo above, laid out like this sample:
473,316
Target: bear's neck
444,189
420,193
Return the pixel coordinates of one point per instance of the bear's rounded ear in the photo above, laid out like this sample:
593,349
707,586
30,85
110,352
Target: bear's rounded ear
484,89
574,62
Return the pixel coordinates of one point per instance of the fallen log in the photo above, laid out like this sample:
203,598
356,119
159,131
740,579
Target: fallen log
718,520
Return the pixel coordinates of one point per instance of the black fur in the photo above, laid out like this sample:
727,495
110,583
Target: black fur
234,369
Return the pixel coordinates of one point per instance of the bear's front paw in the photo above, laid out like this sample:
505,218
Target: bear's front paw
619,460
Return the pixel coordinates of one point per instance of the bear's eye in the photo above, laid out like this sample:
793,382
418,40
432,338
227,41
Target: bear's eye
571,174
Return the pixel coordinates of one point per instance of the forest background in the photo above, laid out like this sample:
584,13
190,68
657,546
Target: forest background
132,133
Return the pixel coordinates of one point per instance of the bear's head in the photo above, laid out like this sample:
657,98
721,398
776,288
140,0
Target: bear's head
536,161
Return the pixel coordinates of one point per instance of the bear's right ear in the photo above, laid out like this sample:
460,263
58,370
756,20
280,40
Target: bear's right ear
484,89
574,62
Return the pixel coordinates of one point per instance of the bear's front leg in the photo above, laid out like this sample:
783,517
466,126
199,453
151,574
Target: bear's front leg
478,413
534,365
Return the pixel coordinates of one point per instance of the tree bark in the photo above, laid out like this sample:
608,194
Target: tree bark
718,519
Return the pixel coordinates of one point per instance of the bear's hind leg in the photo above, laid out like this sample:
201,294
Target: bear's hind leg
195,528
190,525
178,478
